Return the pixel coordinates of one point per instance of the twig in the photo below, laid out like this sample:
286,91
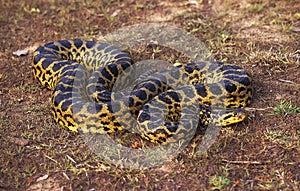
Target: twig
257,109
247,162
51,158
286,81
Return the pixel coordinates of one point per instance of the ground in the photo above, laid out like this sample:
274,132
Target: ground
261,153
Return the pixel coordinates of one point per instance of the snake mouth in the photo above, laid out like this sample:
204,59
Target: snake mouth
234,116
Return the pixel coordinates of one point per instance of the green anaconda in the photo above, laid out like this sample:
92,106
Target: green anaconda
82,75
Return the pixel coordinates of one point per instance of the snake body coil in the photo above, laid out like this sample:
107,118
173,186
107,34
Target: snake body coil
82,75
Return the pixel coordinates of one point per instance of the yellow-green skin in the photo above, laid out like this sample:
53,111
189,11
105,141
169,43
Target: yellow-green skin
82,75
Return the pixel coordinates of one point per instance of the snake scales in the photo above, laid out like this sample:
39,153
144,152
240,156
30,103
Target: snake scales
82,75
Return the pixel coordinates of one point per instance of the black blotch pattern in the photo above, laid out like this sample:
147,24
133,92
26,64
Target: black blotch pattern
141,94
188,69
171,127
245,81
109,49
121,55
90,44
241,89
150,87
78,43
201,90
130,102
113,68
65,105
52,46
230,87
106,74
101,47
144,115
65,43
46,63
175,96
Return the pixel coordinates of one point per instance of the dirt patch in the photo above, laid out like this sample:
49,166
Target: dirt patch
261,153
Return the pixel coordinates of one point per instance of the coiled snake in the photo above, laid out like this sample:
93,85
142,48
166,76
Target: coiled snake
82,75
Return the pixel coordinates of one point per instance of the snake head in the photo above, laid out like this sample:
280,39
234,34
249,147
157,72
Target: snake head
221,117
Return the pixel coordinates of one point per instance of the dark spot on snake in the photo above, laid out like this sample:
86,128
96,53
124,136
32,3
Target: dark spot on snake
231,105
46,63
77,55
235,72
158,83
130,102
113,69
230,87
124,65
174,96
163,97
232,97
78,43
65,43
227,117
201,90
64,88
121,55
150,87
101,81
65,105
70,56
52,46
82,49
143,117
109,49
90,44
63,49
106,74
61,121
141,94
188,69
70,124
57,66
162,139
138,103
246,81
242,96
37,58
241,89
101,46
212,97
44,78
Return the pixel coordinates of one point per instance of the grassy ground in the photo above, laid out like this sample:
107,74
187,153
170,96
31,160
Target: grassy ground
261,153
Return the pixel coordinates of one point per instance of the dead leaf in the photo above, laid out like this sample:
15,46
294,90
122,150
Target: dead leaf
18,141
21,52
